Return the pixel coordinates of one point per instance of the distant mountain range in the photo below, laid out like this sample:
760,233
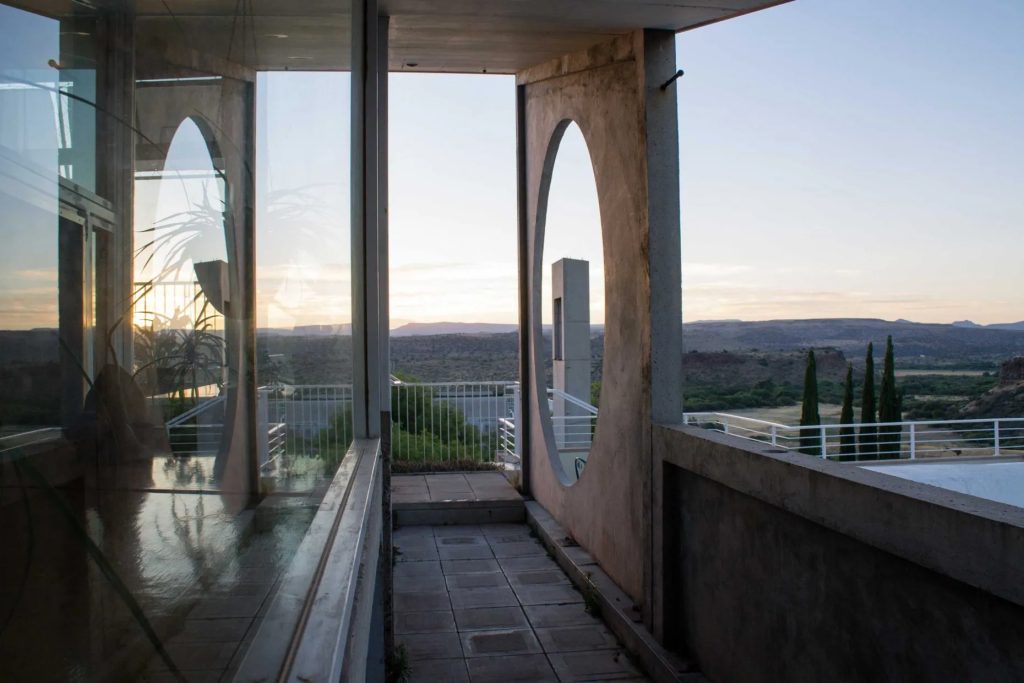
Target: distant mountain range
957,344
922,343
996,326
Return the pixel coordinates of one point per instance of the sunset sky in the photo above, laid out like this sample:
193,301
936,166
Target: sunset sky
837,159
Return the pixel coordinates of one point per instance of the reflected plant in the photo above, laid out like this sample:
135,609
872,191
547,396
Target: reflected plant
189,358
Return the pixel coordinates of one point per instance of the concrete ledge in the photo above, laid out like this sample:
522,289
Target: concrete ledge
617,609
459,512
969,539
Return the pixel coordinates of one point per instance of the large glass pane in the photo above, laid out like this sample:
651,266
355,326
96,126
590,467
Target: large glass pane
304,341
165,435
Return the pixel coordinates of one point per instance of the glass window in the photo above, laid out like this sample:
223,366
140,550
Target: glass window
175,342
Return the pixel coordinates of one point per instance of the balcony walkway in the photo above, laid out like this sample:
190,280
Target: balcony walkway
485,602
456,498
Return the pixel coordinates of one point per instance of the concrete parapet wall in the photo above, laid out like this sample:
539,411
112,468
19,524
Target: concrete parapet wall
612,92
780,566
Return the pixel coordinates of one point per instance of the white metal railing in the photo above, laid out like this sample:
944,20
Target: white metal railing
317,419
197,431
178,301
449,421
879,440
435,421
573,422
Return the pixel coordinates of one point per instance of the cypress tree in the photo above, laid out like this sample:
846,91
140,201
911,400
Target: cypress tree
810,439
847,435
889,406
868,436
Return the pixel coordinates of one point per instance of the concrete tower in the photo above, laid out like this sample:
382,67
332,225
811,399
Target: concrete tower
570,308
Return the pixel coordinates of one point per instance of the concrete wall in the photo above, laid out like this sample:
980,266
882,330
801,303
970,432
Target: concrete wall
781,567
612,92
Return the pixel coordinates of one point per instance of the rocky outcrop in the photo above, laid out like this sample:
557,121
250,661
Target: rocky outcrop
1012,371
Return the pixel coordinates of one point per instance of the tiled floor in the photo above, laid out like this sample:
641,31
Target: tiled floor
436,488
486,603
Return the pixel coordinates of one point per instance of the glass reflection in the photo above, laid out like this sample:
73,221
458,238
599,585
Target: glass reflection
161,458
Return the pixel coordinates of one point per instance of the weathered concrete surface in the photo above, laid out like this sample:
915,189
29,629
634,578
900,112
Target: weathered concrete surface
613,94
784,567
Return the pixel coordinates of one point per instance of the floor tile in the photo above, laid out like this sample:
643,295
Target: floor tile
439,671
496,530
552,616
405,554
420,584
465,552
442,621
499,642
510,669
490,618
476,580
487,603
449,541
414,540
423,646
458,530
501,596
517,549
529,563
451,567
540,577
422,602
576,638
547,595
592,665
424,568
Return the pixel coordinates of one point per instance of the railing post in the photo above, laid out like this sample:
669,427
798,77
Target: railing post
995,430
517,423
824,442
775,436
913,441
725,425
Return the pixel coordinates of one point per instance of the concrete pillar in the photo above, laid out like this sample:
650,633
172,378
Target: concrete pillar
614,92
369,165
115,182
570,338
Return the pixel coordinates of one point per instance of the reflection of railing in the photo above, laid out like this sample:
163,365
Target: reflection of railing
194,411
877,441
175,303
277,438
317,418
197,431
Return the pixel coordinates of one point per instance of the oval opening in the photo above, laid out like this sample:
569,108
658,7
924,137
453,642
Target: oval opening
572,305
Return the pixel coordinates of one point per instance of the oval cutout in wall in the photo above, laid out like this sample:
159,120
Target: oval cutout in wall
572,304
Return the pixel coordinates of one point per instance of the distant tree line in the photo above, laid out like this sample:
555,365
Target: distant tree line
876,440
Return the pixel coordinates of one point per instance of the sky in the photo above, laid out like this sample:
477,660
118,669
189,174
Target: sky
837,159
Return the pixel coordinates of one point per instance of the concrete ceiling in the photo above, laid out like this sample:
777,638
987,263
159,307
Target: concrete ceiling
456,36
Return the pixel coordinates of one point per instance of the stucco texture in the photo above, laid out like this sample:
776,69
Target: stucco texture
608,511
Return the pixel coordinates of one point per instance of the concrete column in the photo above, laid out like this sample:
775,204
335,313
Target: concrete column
115,182
570,338
368,64
525,227
613,92
664,263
